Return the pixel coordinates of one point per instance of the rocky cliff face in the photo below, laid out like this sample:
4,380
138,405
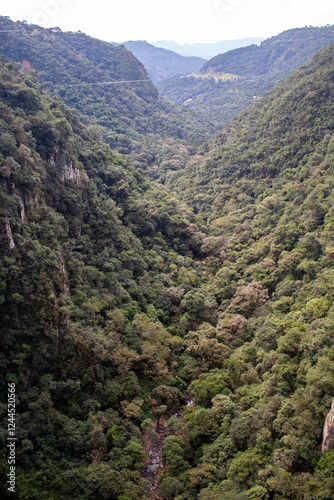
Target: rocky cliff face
328,436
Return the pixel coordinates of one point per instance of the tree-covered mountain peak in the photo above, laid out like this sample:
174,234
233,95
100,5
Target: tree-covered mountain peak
161,63
258,67
280,53
86,59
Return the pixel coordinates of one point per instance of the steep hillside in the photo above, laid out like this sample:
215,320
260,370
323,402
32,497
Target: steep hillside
230,82
266,189
107,85
161,63
87,246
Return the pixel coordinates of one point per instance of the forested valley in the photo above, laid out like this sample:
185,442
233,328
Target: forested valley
159,277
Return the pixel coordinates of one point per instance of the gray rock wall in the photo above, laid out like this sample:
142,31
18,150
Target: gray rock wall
328,435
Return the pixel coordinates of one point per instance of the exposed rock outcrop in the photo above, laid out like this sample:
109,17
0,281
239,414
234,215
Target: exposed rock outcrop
71,172
328,435
8,231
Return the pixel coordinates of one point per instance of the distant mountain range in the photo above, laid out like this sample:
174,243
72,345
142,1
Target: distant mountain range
231,81
162,63
189,281
207,50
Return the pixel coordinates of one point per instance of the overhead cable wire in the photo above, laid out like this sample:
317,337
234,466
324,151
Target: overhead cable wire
54,87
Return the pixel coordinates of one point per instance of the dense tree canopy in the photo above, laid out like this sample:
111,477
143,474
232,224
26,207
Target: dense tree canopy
201,300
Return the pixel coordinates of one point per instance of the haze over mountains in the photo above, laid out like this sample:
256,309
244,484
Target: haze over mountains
207,50
163,60
166,293
229,81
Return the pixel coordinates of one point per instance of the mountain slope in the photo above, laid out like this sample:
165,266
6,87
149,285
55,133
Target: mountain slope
161,63
229,82
279,55
297,109
86,244
93,77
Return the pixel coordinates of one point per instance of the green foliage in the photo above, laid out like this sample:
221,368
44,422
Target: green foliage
206,313
231,81
170,487
78,274
174,454
161,63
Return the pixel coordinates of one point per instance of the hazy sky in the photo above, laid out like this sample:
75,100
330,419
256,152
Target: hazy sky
179,20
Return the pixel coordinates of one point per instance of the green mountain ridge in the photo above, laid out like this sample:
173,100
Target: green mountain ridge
256,69
265,187
74,66
161,63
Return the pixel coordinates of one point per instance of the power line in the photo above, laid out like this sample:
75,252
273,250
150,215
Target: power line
78,85
99,83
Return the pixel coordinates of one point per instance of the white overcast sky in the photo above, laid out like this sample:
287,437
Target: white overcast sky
179,20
